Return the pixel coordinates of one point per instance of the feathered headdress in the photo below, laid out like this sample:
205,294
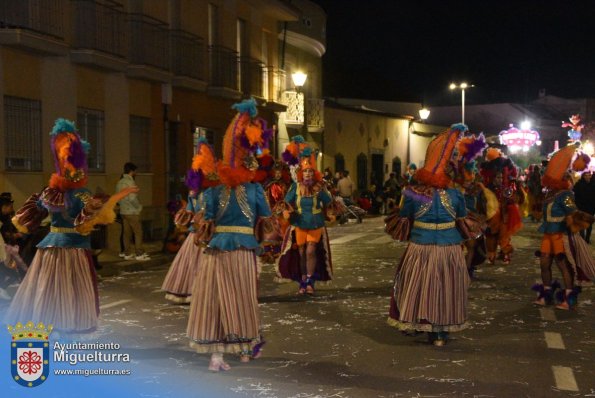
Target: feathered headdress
70,156
203,173
497,163
298,152
438,155
562,161
245,137
265,165
468,149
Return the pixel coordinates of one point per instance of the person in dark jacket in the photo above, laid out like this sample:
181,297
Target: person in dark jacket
584,195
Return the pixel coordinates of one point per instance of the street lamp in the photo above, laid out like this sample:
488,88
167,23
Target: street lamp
462,87
299,79
424,113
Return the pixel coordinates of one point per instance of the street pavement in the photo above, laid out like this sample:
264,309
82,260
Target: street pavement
338,344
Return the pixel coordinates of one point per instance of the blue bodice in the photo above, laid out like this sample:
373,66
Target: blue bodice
434,219
308,209
555,210
235,212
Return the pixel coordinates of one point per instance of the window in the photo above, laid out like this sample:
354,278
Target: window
362,172
140,143
90,124
22,134
339,162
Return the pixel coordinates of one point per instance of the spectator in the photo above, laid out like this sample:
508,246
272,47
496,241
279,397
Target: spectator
392,193
328,177
584,192
345,188
130,210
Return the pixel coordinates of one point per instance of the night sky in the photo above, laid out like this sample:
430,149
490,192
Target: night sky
411,50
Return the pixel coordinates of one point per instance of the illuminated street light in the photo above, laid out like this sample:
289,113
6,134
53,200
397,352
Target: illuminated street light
299,78
461,86
424,113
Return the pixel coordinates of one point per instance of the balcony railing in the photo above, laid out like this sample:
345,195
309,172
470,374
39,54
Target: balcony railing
315,114
188,55
251,76
223,67
40,16
100,25
149,41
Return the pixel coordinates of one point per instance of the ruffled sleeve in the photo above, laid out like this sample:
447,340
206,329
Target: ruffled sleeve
96,210
203,229
30,216
183,217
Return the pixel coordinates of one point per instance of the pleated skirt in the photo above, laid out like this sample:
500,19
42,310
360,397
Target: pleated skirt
60,288
224,316
430,290
182,272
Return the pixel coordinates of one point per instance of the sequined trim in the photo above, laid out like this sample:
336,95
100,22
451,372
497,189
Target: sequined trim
433,226
569,202
84,197
445,200
234,229
242,198
223,202
423,209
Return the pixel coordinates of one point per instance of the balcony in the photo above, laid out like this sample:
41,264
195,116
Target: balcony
36,25
251,76
100,34
188,60
149,49
223,72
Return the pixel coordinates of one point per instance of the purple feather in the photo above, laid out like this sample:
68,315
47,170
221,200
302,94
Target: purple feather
194,180
417,196
476,148
78,157
289,159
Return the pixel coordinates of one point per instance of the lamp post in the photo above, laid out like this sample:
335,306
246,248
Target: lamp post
462,87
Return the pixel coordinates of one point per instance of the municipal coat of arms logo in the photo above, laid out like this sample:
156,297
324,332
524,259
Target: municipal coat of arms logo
30,353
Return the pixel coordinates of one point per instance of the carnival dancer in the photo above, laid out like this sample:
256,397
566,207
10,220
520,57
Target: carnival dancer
561,241
182,272
431,281
535,193
275,190
224,316
305,253
468,149
60,287
504,218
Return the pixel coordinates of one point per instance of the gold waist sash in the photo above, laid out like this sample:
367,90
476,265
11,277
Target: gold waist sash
63,230
234,229
433,226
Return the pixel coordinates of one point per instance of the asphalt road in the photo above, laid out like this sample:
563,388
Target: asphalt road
337,344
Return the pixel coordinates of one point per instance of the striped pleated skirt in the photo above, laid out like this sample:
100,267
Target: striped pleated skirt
224,316
60,288
182,272
430,290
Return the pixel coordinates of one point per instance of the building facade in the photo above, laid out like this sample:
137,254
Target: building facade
140,78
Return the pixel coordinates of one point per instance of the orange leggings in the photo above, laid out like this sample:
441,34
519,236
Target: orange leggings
552,244
307,235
